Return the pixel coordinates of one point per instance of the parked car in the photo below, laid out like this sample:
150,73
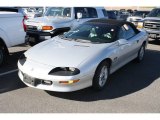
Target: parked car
82,57
11,32
28,12
123,15
137,16
122,10
57,20
111,14
130,11
32,12
152,23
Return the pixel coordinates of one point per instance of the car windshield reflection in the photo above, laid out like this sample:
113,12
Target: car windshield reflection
94,33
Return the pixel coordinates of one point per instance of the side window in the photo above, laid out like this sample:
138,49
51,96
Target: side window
92,13
80,10
105,13
86,12
67,12
126,32
122,33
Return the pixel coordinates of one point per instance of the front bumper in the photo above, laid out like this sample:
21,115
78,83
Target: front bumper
54,85
153,33
37,36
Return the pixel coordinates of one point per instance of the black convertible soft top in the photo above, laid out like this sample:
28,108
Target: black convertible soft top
117,23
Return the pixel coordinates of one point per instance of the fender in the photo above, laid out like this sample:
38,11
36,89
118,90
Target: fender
5,38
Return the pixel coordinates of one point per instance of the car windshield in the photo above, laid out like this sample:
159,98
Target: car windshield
31,10
93,33
58,12
154,13
140,13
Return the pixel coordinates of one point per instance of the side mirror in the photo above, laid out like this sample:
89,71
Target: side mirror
122,42
79,15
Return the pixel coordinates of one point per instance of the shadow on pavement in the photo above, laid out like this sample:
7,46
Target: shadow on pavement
155,41
10,81
127,80
11,61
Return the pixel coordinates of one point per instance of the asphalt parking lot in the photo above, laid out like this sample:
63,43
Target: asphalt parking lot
133,88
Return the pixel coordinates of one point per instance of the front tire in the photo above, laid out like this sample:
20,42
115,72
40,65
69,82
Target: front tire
32,43
3,55
101,76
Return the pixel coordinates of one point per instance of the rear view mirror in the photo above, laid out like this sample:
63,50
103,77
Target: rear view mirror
79,15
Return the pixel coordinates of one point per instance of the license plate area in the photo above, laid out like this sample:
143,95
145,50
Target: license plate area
153,35
30,80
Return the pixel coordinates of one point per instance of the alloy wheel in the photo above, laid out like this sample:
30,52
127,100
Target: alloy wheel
103,76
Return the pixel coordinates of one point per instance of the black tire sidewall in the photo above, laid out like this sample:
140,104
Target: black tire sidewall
2,55
32,43
138,58
95,83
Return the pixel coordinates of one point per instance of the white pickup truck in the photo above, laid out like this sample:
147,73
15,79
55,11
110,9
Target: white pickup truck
57,20
11,32
152,24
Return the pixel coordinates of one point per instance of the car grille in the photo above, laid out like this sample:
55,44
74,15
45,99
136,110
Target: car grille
152,25
32,28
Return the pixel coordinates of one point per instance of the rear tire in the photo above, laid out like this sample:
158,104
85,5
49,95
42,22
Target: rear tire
141,53
101,76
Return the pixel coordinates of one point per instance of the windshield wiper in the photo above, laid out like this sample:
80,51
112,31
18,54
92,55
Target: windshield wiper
83,41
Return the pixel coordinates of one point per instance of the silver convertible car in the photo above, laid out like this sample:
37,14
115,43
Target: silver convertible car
82,57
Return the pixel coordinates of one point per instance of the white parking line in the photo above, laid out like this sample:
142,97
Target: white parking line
5,73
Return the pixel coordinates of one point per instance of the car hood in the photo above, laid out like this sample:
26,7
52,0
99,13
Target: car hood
63,53
47,20
134,18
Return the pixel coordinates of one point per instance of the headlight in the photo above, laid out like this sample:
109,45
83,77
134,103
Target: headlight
64,71
22,59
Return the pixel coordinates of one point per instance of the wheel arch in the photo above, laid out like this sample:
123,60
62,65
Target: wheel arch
144,43
2,43
108,60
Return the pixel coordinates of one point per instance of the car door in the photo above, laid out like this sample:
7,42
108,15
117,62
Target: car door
128,44
88,13
133,41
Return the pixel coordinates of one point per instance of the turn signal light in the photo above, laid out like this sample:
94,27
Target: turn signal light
140,25
47,27
69,82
